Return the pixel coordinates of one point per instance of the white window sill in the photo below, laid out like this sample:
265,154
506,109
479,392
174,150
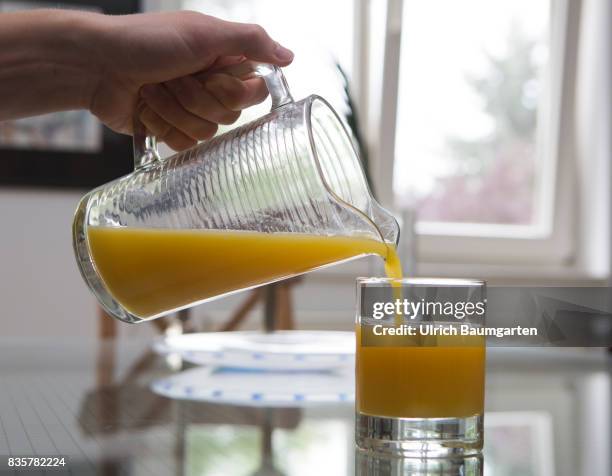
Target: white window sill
545,275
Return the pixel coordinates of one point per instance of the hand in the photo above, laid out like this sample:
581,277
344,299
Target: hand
168,60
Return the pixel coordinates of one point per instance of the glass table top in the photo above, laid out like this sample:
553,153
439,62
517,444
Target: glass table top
547,413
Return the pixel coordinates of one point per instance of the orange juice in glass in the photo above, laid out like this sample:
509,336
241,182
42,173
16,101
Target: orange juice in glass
420,378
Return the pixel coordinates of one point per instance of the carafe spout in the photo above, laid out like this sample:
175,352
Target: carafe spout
387,225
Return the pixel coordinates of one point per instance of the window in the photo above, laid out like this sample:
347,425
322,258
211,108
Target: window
483,148
471,87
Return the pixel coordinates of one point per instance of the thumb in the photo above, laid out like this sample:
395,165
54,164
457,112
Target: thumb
253,42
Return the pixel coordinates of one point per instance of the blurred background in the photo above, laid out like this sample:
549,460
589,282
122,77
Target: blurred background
484,126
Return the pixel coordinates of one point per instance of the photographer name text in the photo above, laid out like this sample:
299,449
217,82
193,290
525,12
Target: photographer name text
446,330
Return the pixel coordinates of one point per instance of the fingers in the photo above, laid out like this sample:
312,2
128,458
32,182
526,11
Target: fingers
161,129
226,61
185,110
235,94
162,102
196,99
154,124
253,42
178,140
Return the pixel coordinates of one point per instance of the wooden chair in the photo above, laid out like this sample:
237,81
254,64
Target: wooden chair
278,307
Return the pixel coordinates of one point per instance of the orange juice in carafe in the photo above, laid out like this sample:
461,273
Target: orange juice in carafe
150,271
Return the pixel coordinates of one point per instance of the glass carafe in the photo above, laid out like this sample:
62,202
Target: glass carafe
292,175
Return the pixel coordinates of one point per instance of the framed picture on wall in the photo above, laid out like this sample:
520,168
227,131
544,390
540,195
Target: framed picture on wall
63,149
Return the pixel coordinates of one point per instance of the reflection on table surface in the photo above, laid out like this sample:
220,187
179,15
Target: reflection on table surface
548,413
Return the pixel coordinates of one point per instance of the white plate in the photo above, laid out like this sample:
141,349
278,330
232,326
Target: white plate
281,350
258,388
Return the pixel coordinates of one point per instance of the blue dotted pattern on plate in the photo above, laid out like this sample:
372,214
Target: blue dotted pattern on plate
189,392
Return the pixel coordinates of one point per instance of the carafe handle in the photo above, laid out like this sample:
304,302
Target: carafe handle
145,146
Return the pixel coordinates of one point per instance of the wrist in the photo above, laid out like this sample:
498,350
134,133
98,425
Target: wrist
54,49
47,61
74,55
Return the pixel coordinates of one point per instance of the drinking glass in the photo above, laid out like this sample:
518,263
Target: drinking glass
420,395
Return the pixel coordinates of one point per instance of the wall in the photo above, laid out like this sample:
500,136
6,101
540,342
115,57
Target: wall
41,291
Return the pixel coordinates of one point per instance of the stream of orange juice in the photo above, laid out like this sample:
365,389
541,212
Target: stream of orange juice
150,271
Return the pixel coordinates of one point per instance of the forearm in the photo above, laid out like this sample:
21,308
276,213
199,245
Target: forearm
54,60
46,62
